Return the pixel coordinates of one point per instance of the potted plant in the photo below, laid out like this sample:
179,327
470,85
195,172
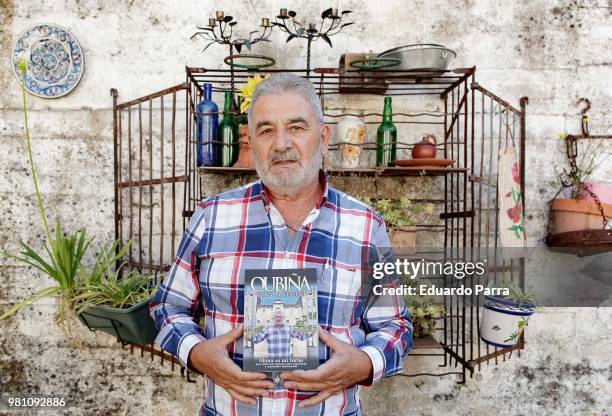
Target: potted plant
62,260
425,310
586,205
504,318
400,217
114,303
63,254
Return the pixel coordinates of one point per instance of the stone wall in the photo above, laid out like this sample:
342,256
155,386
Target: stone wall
551,51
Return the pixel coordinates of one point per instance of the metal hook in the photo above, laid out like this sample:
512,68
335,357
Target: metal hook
587,107
585,119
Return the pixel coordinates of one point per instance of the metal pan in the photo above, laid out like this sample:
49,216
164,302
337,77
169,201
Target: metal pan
421,57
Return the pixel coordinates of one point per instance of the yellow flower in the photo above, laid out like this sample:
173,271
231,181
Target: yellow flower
247,91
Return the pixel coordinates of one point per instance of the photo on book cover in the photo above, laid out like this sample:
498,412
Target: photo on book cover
280,320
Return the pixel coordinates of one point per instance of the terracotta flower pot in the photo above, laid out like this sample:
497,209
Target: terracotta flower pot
578,214
245,155
404,238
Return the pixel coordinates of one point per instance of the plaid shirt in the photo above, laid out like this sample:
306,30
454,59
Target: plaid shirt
241,229
279,339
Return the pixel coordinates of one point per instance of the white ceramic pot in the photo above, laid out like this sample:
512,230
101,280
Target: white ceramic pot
503,321
350,136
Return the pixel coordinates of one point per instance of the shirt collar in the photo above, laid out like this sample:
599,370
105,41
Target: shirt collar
323,180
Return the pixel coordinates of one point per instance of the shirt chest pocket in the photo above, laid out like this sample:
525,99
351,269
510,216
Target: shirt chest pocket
339,291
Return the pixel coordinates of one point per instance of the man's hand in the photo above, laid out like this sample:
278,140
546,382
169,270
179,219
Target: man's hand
210,357
347,366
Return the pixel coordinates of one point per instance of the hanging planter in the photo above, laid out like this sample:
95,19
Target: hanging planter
578,214
133,324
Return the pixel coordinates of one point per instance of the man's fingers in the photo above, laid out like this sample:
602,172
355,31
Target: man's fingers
322,372
315,399
330,340
233,335
241,397
249,376
251,392
261,384
301,385
301,375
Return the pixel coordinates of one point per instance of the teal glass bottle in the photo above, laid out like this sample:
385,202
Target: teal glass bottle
386,137
228,133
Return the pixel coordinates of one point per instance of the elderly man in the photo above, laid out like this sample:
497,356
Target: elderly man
290,218
278,336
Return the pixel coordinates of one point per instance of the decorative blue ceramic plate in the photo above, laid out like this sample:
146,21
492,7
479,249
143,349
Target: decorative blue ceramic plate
55,60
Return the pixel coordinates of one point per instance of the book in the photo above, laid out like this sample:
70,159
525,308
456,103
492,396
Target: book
280,320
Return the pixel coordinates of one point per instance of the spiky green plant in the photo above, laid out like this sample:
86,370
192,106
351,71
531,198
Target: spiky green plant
64,254
105,285
77,289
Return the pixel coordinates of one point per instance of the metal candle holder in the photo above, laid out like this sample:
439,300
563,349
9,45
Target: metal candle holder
220,29
287,23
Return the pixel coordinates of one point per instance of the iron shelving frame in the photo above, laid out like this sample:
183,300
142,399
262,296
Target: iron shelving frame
155,164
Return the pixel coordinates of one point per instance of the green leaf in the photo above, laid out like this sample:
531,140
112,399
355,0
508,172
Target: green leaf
43,293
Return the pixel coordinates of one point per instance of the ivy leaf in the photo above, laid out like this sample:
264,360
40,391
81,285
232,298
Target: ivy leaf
347,24
247,44
228,19
234,23
326,13
300,31
346,12
238,47
292,13
326,39
289,38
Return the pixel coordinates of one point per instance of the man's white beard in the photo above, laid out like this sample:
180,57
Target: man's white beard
289,181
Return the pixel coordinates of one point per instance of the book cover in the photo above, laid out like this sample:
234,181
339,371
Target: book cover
280,320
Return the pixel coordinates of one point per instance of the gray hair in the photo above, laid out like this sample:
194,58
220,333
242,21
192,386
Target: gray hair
287,82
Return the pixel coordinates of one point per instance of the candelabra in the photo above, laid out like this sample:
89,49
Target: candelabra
287,23
220,30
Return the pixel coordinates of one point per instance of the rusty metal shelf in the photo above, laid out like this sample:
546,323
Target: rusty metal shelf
388,171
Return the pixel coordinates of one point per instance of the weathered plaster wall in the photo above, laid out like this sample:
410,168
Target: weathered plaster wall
551,51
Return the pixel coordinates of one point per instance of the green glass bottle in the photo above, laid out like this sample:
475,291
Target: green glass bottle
228,133
386,137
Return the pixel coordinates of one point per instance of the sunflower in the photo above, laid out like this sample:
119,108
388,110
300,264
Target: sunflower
247,91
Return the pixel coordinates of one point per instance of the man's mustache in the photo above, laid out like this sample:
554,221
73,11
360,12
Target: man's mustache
288,156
